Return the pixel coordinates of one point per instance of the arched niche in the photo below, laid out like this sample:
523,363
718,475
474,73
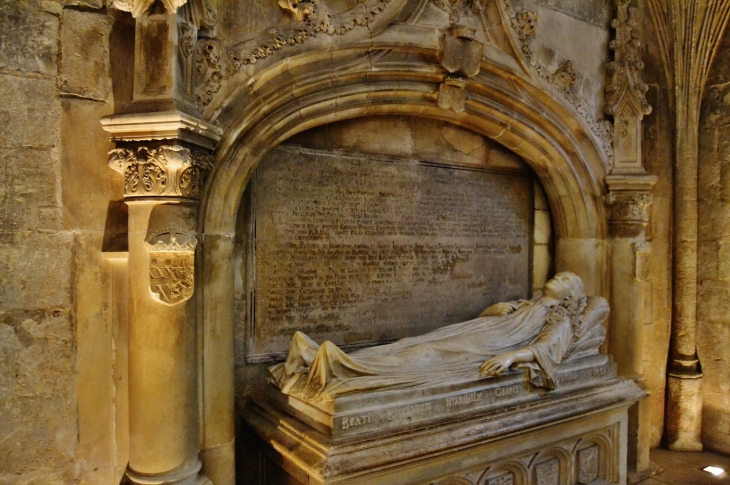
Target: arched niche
379,228
304,92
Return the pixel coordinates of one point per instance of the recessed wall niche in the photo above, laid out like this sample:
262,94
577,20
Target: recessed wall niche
371,230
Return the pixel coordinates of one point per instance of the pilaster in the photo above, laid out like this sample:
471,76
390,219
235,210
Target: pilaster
629,200
164,152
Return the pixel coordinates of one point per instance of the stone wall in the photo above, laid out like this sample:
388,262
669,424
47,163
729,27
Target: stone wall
713,315
57,416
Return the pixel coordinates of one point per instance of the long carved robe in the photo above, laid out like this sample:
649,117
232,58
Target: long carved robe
450,354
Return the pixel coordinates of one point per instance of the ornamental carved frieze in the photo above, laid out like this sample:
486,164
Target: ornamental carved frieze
166,171
629,206
309,18
171,266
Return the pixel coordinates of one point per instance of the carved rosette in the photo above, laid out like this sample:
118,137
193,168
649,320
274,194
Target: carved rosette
172,265
167,171
629,206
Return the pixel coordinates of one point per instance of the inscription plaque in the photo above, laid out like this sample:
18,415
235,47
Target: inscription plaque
363,250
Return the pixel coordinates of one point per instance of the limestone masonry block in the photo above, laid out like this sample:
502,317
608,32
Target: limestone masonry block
84,69
28,38
29,113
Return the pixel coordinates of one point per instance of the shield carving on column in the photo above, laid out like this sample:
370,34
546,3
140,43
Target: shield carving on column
172,266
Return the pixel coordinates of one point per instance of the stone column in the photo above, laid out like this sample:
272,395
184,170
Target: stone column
688,35
163,185
629,199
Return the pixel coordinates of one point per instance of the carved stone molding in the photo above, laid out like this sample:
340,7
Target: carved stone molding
216,62
452,94
166,171
138,7
629,206
524,25
172,265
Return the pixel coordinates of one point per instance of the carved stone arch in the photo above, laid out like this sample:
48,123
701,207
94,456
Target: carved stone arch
459,480
608,453
518,470
542,463
301,93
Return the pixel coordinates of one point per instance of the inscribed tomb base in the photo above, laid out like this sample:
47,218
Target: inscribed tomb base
576,434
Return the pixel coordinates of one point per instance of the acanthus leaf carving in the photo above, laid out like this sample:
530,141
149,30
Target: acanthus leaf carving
169,170
171,265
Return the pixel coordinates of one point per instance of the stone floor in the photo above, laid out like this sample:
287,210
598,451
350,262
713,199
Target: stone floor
684,468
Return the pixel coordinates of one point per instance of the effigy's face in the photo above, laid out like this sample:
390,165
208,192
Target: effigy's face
560,287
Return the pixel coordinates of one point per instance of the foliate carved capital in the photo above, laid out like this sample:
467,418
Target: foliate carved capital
138,7
166,171
629,206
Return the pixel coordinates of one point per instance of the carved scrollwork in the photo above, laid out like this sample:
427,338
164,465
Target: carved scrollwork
216,63
169,170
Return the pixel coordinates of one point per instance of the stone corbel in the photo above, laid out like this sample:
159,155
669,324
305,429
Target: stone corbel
138,7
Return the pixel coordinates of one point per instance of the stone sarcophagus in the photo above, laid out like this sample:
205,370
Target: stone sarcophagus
418,412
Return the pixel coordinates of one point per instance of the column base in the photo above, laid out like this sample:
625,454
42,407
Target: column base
189,476
684,412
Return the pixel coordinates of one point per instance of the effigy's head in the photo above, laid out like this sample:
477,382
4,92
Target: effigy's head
564,286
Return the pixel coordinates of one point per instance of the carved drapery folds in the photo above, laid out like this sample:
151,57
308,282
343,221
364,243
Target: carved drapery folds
170,170
172,265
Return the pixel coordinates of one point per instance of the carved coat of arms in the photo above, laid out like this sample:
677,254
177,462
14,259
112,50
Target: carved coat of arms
172,266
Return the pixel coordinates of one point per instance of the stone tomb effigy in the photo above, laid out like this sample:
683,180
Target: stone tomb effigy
371,417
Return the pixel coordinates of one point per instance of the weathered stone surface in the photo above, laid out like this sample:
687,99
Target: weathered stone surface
362,250
86,201
28,38
36,270
29,113
29,192
84,68
37,381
